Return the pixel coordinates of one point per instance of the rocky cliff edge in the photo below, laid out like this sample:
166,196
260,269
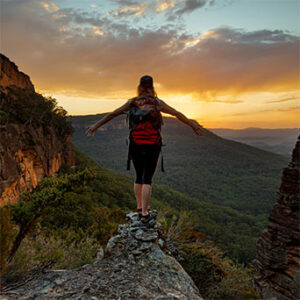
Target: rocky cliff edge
137,263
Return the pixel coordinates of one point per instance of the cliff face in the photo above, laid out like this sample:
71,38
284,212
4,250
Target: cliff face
27,153
137,263
278,249
27,156
10,75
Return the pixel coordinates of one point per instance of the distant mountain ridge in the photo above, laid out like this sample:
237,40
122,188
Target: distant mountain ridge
280,140
210,168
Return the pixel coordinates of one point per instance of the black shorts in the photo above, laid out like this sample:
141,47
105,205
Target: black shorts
144,158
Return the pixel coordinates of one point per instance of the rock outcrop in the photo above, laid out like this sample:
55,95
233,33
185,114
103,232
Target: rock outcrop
11,76
278,249
137,263
27,153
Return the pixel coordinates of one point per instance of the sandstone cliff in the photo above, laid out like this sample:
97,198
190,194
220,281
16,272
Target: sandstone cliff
278,249
11,76
29,151
137,263
27,156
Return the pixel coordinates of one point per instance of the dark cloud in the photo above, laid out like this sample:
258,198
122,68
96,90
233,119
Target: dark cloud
127,2
182,7
259,36
188,6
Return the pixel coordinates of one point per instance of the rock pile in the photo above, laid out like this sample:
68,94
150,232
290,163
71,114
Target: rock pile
137,263
278,249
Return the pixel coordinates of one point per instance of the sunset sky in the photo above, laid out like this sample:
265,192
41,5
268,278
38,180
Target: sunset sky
225,63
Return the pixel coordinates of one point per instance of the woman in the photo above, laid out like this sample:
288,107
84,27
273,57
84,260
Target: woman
145,139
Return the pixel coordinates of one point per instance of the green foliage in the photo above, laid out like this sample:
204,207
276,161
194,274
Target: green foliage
32,109
71,222
216,276
235,233
49,193
38,250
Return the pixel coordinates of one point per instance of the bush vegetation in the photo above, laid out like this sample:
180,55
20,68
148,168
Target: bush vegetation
32,109
216,276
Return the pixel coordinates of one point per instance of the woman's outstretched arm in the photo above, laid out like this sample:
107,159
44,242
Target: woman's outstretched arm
91,130
172,111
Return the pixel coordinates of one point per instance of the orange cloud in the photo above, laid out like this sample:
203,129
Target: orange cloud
49,6
163,5
285,99
272,118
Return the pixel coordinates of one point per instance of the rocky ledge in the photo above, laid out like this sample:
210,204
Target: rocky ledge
137,263
10,75
278,248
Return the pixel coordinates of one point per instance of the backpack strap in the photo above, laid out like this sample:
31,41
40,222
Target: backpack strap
129,154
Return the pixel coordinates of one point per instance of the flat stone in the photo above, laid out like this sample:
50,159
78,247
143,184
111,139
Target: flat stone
145,236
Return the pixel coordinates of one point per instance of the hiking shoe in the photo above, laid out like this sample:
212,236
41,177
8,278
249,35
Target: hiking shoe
145,219
139,211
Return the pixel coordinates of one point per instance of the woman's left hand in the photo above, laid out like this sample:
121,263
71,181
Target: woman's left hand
197,128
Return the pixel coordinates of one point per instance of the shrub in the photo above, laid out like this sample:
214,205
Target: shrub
216,276
32,109
38,250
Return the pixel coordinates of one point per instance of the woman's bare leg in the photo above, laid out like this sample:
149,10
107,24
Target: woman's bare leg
146,195
138,194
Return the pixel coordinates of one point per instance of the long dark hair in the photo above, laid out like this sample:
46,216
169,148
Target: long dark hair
143,91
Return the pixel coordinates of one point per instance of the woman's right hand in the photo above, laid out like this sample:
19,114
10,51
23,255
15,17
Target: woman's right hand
90,131
198,131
